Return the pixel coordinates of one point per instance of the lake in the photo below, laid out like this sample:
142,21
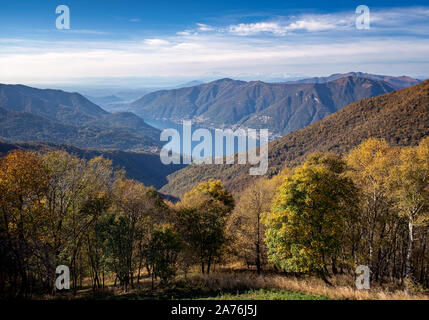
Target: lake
178,145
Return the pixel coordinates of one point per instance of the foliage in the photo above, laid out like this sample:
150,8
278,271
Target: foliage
202,217
307,216
162,252
245,227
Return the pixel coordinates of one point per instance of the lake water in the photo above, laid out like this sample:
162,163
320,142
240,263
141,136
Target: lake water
178,145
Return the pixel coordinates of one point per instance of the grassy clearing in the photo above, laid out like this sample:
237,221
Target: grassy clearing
230,285
264,294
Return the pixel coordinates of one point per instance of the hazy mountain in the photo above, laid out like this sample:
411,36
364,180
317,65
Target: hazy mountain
400,117
103,100
17,126
278,106
144,167
30,114
396,82
189,84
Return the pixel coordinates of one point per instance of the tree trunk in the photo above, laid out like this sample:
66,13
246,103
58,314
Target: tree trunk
410,249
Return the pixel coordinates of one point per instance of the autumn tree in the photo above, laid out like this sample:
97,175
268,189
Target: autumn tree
369,167
410,185
307,217
23,182
202,217
245,225
135,209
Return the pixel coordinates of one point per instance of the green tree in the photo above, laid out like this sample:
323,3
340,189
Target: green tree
305,224
162,252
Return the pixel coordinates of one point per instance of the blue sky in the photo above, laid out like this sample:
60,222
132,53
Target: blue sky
151,43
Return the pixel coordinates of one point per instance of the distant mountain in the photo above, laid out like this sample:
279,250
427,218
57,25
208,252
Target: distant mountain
105,100
396,82
30,114
57,105
144,167
280,107
400,117
18,126
189,84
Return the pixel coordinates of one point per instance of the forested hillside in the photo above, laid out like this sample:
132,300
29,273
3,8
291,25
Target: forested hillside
30,114
400,117
281,107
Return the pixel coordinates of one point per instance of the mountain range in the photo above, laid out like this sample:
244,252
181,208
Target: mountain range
64,120
30,114
396,82
281,107
400,117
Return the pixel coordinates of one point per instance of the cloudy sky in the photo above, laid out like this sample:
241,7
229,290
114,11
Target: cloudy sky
155,43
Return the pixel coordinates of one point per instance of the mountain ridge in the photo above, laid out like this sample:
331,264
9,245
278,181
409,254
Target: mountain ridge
50,115
228,103
401,117
400,82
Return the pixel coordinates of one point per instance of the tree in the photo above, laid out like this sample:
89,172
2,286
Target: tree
162,252
245,225
202,216
369,167
135,209
23,182
410,182
305,224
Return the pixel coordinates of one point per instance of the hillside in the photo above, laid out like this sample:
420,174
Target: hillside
30,114
396,82
141,166
400,117
281,107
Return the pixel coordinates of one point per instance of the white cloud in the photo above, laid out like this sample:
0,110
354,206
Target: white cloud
156,42
184,33
311,25
243,29
204,27
218,51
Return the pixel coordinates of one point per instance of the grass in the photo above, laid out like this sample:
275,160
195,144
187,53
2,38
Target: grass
230,284
268,294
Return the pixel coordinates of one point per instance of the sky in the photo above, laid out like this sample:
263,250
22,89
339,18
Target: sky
157,43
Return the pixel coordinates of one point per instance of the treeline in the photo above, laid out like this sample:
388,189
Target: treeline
324,217
57,209
331,214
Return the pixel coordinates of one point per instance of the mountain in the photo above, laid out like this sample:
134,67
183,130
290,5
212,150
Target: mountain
57,105
141,166
189,84
30,114
280,107
104,101
400,117
396,82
